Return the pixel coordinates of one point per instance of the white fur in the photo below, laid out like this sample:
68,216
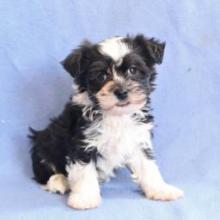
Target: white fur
83,180
57,183
147,175
117,138
117,77
121,140
115,48
80,98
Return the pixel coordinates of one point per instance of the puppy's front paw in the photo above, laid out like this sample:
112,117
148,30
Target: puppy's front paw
164,192
83,200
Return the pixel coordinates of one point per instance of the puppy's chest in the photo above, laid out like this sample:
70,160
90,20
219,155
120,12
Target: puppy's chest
117,138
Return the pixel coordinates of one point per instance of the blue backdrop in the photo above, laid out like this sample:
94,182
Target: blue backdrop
35,35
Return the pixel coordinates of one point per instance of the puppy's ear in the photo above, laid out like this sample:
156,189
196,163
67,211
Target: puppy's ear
76,62
151,49
72,62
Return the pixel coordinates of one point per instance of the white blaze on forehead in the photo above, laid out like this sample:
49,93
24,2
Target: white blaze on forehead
117,77
114,47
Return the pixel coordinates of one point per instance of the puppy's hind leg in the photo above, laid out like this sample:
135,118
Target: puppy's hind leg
57,183
46,174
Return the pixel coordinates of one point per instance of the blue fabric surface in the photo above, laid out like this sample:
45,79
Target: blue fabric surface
35,35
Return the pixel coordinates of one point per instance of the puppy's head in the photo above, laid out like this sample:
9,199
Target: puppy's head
116,74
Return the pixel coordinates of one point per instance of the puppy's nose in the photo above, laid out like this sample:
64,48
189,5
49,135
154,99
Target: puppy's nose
121,94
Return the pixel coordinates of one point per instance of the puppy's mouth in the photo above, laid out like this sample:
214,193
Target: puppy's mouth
125,105
122,103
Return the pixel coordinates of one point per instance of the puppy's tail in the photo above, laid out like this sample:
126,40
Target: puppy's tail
33,134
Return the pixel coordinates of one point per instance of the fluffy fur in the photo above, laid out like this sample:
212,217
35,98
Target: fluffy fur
106,125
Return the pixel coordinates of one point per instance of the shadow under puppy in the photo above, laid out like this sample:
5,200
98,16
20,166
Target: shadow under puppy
106,125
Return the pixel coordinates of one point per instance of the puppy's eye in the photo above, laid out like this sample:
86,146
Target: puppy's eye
132,70
101,77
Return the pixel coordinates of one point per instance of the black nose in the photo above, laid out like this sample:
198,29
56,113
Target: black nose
121,94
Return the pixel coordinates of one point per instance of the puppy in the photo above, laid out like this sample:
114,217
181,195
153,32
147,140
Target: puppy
106,125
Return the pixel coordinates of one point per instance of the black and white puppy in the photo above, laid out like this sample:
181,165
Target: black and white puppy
106,125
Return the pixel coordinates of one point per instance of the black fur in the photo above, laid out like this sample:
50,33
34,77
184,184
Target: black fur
149,153
61,142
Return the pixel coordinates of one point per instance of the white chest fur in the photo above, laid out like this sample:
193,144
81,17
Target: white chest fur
117,139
